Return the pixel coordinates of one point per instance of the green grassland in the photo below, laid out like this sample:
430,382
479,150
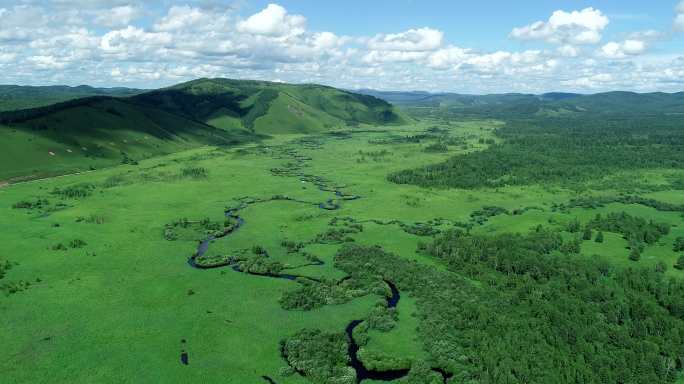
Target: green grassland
121,304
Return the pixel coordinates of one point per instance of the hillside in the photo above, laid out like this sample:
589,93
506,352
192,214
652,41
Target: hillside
270,108
14,97
98,131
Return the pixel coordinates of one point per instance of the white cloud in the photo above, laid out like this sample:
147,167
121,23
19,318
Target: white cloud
118,16
273,21
326,40
7,57
131,40
614,50
576,27
393,56
47,62
422,39
590,82
568,50
647,35
448,57
679,18
184,17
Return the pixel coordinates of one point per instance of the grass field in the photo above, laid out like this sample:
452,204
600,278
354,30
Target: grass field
122,304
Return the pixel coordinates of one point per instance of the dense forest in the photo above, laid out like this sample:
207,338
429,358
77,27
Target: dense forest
565,151
514,308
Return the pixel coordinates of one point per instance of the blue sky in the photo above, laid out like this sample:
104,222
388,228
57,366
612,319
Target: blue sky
460,46
485,23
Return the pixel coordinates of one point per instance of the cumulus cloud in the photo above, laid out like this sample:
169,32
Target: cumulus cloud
422,39
273,21
576,27
448,57
184,17
413,45
589,82
615,50
131,41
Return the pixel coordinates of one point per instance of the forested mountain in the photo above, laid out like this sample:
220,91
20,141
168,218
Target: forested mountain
102,130
21,97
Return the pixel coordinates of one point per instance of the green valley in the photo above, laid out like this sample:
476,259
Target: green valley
272,233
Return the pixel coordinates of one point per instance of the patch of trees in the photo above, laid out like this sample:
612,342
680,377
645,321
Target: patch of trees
292,246
11,287
375,156
77,243
420,229
678,245
259,263
439,147
125,159
320,356
601,201
381,318
636,230
518,308
194,172
481,216
78,191
185,229
73,244
31,204
4,267
311,294
341,228
91,219
680,263
396,139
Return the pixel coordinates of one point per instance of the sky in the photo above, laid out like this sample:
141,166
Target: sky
477,47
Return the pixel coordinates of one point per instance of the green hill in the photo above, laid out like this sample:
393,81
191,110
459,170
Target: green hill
99,131
270,108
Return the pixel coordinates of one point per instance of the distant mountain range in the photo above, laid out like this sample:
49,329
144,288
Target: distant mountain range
21,97
95,127
548,103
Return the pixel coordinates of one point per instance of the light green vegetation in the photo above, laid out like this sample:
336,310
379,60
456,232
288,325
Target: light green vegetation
117,309
398,347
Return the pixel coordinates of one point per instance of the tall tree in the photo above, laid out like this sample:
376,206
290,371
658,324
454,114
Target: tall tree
599,237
